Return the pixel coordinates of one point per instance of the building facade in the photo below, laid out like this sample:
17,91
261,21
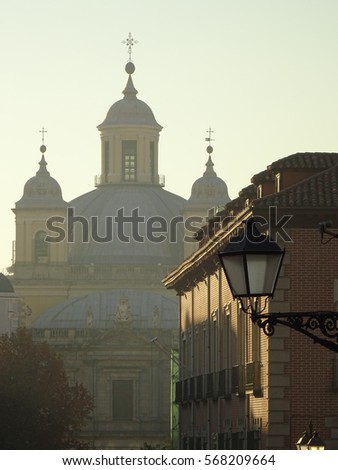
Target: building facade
238,388
89,271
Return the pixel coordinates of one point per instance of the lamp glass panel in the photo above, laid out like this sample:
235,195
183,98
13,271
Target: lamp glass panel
303,447
235,272
262,272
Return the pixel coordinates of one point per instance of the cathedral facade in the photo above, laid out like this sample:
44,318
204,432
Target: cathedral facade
89,272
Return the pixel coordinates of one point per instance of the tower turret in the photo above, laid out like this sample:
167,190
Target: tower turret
208,194
41,200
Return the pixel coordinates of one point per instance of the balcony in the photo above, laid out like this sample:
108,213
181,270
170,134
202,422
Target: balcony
223,383
253,378
237,380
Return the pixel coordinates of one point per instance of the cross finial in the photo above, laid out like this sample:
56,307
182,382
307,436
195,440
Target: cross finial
43,132
130,42
209,139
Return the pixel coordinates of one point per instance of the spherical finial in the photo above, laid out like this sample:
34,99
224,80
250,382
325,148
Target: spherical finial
43,148
209,139
130,68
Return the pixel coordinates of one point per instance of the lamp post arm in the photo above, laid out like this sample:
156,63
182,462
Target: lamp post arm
320,326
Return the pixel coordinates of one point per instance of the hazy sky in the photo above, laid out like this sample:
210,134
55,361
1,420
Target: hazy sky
263,74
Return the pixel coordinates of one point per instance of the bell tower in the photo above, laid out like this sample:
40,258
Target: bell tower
41,200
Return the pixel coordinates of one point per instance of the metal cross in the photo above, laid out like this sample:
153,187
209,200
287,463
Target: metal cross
43,132
209,139
130,42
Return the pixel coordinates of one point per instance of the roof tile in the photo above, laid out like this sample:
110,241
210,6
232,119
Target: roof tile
319,190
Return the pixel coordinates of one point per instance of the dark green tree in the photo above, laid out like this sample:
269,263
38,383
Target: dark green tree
38,407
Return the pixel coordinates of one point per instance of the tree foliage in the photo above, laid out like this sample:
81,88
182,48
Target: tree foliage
38,407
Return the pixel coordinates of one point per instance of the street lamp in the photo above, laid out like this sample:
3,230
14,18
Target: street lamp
252,262
310,440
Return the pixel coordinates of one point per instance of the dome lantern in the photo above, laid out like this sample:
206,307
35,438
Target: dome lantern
129,139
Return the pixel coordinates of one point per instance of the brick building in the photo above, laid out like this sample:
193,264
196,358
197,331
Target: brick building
238,388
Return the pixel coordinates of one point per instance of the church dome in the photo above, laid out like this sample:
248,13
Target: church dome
106,310
209,188
5,285
128,221
129,216
130,110
41,189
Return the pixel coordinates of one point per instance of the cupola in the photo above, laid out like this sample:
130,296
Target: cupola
41,189
209,189
129,140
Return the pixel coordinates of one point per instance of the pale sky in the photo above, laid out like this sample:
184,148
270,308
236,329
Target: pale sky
263,74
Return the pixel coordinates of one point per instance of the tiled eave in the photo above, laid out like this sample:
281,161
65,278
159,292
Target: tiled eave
307,201
203,261
318,191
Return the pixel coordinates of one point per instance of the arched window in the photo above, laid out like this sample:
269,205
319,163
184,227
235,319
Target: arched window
129,167
40,247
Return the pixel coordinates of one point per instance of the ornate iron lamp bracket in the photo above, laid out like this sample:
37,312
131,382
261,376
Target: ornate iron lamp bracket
321,326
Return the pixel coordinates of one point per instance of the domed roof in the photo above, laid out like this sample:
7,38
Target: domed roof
209,188
130,110
41,189
140,308
129,216
5,285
